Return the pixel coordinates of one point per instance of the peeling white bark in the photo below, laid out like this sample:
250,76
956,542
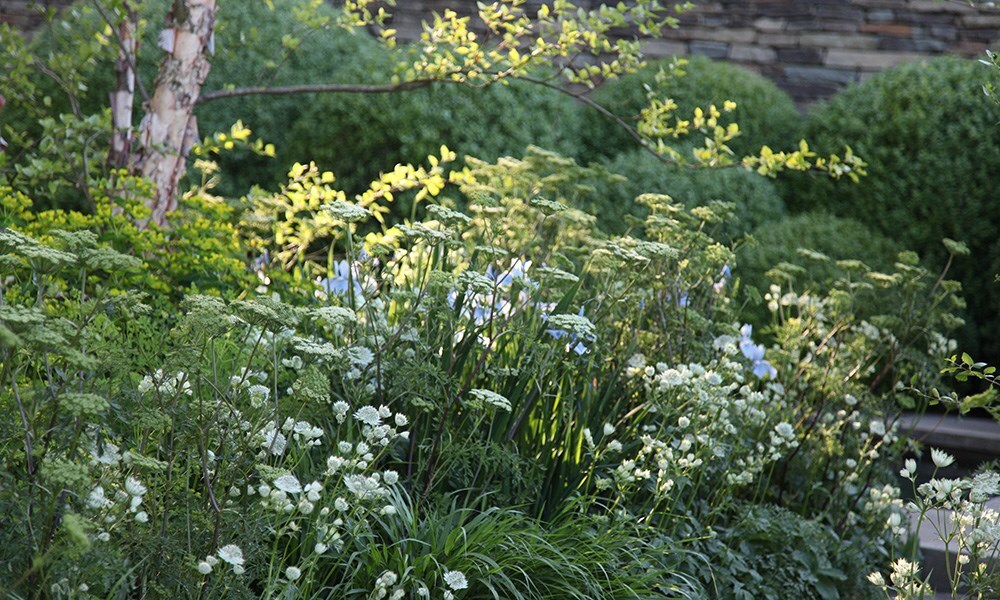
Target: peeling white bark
169,129
123,97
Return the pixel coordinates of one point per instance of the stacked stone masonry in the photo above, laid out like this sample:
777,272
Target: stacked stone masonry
810,48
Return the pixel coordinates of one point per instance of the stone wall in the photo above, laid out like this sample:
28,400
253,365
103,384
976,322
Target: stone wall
810,48
27,14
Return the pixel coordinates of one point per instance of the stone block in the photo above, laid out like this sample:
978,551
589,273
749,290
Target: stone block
971,48
752,54
770,25
880,16
826,75
944,32
661,48
801,56
734,36
897,29
827,40
859,59
778,39
716,50
940,7
913,44
981,21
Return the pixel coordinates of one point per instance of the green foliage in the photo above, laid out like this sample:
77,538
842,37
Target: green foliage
930,141
774,553
755,199
765,114
355,134
783,242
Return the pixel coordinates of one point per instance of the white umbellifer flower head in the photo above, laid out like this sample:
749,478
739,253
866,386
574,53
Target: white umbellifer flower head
232,554
491,398
204,568
347,211
456,580
369,416
134,487
289,484
293,573
941,458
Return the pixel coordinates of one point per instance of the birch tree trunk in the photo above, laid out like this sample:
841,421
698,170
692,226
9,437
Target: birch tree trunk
124,95
168,130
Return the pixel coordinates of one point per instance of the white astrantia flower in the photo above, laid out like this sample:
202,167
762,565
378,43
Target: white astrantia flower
909,470
289,484
491,398
456,580
142,517
204,568
258,395
785,430
369,416
232,554
293,573
390,477
134,487
941,458
401,420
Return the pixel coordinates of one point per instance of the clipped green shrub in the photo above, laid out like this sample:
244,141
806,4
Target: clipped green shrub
756,198
777,244
359,135
931,141
766,114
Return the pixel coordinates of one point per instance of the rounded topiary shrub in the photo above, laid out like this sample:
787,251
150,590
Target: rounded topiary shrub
766,115
780,241
756,198
930,139
357,135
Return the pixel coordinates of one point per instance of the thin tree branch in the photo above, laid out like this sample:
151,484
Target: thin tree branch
584,99
322,88
129,56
